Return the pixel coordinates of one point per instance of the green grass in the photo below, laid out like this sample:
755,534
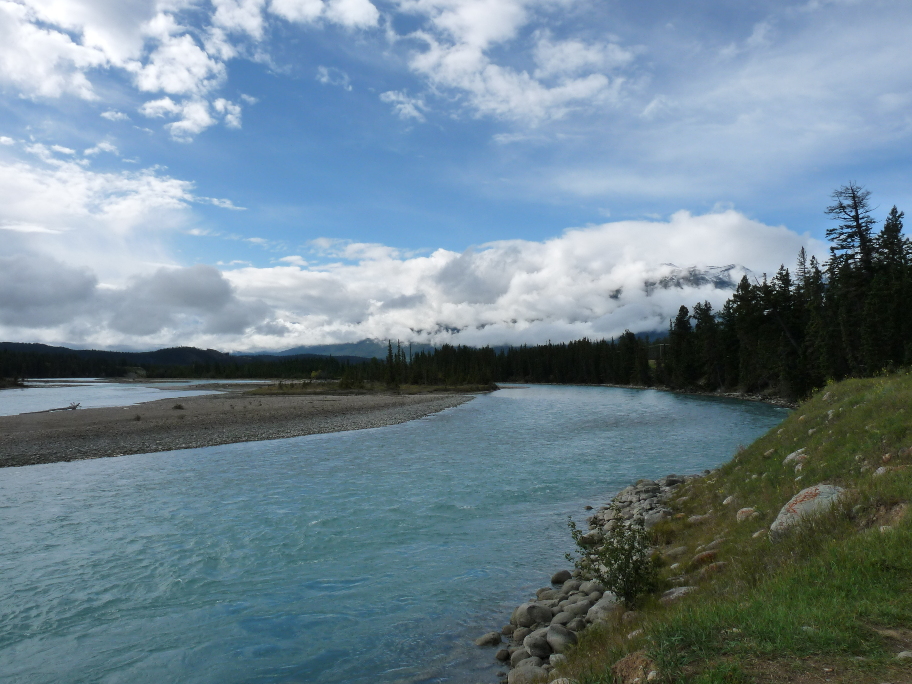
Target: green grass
838,591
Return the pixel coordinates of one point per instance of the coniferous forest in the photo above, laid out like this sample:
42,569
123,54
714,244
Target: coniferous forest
784,334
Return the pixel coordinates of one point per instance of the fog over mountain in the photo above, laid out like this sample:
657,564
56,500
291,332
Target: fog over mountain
594,281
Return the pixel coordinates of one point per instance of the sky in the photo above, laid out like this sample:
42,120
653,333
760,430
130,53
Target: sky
264,174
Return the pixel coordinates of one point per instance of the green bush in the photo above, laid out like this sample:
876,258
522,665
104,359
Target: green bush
622,561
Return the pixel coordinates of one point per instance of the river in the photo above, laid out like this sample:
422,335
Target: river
373,556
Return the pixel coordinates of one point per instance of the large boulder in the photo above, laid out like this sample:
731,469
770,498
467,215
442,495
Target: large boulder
527,674
807,502
560,638
537,644
518,656
604,608
529,614
561,576
590,586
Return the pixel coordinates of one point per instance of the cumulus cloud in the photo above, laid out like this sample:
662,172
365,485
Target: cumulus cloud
405,106
182,300
101,147
595,281
193,115
333,76
348,13
113,223
460,37
114,115
41,292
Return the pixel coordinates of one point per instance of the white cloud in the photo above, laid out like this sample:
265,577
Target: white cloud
460,37
230,111
4,140
180,67
217,202
194,115
101,147
349,13
42,61
405,106
114,115
333,76
589,281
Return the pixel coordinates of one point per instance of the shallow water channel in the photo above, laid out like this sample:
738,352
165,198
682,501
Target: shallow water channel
370,556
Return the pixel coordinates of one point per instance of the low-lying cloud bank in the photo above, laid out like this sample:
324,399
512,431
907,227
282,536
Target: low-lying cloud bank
595,281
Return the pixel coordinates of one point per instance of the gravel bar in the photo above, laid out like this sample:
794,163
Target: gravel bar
208,420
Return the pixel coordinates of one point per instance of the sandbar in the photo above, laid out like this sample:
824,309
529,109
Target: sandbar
208,420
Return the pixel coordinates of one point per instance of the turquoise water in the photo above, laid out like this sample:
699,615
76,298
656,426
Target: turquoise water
89,393
369,556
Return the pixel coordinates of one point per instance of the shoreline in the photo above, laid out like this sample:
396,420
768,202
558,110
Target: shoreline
201,421
532,644
741,396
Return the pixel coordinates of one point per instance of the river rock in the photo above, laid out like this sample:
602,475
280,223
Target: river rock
570,585
560,638
489,639
746,514
673,595
634,668
704,558
537,643
577,624
712,569
518,656
521,634
527,674
562,618
556,660
795,457
560,576
590,586
604,608
529,614
578,608
813,500
503,655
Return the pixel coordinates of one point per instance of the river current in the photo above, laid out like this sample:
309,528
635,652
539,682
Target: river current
373,556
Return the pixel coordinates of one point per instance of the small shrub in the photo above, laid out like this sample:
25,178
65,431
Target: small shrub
179,407
622,562
137,417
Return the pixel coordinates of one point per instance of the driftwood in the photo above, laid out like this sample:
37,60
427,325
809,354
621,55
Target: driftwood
71,407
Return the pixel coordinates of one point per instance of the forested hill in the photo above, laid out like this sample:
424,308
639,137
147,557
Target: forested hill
42,361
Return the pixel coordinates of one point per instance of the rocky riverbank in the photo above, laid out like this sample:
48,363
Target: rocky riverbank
542,629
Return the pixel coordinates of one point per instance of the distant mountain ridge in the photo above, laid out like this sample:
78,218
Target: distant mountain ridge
171,356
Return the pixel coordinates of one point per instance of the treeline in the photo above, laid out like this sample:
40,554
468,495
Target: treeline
787,335
624,361
40,361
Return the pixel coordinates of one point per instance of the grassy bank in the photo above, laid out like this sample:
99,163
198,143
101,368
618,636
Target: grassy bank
831,602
